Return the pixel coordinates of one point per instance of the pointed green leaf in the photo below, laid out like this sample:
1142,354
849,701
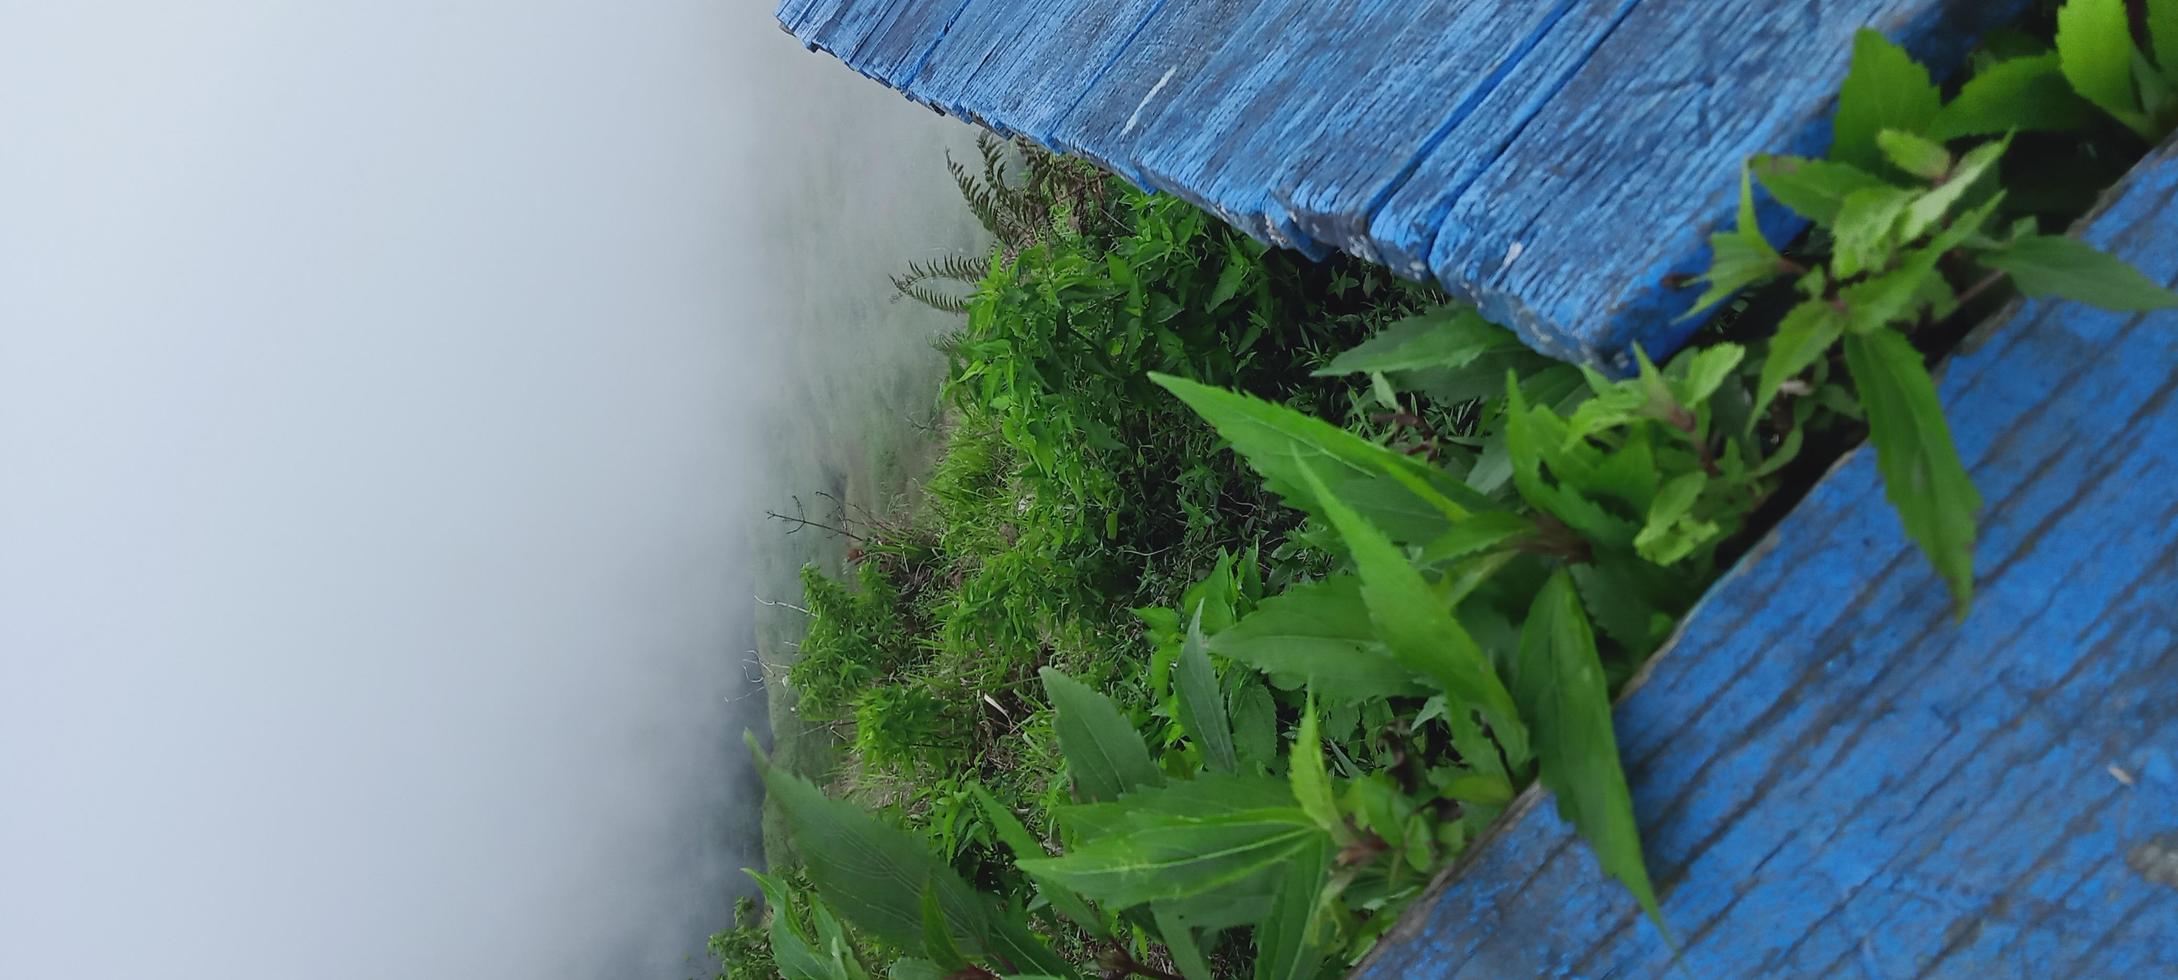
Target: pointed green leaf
1922,474
1930,207
2095,51
1278,441
1311,781
1417,626
1813,189
1884,89
791,949
1627,599
1202,706
2067,268
1481,533
875,875
1207,795
1179,939
1230,279
1561,685
1024,845
1320,635
1169,857
1917,155
1446,337
1669,535
913,968
1806,334
1103,751
1697,374
1285,948
938,941
2020,95
1891,299
1866,232
1739,258
1255,725
1535,437
2163,36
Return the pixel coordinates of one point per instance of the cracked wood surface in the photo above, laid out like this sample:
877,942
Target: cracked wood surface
1552,160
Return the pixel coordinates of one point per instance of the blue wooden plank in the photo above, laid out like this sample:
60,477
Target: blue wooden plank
1168,50
895,49
952,75
1833,777
1553,159
1048,68
1406,213
1651,134
1465,75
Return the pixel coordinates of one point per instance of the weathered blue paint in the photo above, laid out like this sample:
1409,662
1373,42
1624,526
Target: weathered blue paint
1835,778
1554,160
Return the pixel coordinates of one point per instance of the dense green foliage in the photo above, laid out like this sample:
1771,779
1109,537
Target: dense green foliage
1410,588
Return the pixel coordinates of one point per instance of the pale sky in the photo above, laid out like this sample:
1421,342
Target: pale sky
377,386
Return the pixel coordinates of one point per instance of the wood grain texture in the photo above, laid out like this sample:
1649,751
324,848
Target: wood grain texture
1835,778
1553,160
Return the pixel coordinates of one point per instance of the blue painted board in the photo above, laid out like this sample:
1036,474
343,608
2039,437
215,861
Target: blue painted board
1650,133
1835,778
1554,160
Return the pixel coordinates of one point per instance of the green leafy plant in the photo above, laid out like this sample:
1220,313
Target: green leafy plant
1451,553
1911,228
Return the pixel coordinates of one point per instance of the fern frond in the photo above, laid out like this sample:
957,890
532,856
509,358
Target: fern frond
981,202
920,281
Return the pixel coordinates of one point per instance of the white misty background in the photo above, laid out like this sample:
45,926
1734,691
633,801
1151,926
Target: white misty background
385,389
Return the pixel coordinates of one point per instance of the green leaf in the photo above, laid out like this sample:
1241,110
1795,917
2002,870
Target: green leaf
2020,95
2095,51
913,968
1562,689
1922,157
1206,795
1168,856
1255,725
1929,207
2067,268
1017,839
832,937
1103,751
1669,535
1892,299
1884,89
1320,634
1179,940
2163,36
1814,189
1922,474
875,875
1418,627
1627,598
1483,532
1697,374
1446,337
1285,950
1278,442
1202,707
1866,233
1739,258
791,950
1535,437
938,941
1311,782
1803,337
1230,280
